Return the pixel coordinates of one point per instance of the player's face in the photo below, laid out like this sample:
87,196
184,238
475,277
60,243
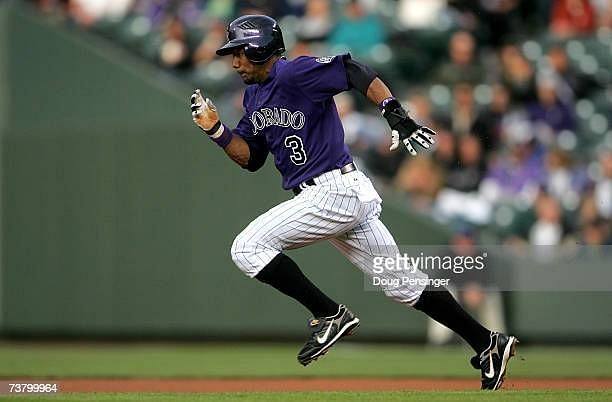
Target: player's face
249,72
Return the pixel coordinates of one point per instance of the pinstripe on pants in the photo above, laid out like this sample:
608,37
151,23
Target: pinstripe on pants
343,209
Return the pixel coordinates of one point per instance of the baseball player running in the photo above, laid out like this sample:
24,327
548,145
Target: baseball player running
290,113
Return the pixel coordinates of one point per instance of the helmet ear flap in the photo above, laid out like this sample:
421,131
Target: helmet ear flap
255,54
260,54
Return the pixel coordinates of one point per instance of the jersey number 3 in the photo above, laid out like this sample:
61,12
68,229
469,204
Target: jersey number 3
298,155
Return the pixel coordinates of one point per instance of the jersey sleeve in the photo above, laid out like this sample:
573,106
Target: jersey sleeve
257,143
319,78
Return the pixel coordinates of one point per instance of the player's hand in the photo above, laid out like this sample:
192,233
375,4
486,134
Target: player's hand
422,136
203,112
405,129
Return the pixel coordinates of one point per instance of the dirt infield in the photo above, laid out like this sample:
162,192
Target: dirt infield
316,384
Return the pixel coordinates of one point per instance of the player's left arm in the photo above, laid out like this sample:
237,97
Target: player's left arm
403,127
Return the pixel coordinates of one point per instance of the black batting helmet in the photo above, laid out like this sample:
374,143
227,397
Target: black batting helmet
259,35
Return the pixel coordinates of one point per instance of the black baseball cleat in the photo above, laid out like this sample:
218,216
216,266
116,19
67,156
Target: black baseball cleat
325,332
493,361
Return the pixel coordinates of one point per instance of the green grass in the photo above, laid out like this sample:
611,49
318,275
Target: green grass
535,396
257,360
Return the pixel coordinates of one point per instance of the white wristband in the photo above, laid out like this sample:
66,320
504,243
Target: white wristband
217,133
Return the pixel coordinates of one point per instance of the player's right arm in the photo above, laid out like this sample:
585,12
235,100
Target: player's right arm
321,78
403,127
248,153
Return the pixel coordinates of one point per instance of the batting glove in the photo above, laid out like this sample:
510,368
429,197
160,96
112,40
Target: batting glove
404,129
204,113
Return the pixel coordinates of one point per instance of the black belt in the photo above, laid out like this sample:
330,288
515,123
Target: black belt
310,182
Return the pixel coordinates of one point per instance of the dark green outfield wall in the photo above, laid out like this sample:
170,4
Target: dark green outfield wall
117,215
3,127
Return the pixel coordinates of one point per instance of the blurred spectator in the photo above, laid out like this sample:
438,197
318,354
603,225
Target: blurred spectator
463,112
301,48
572,18
581,84
603,186
550,109
444,151
273,8
516,173
470,169
465,13
487,125
190,12
588,211
214,38
381,162
503,19
560,181
462,65
460,199
158,12
495,21
419,108
361,131
316,23
419,14
422,179
604,12
596,233
352,121
367,137
517,74
548,228
88,12
357,31
174,50
218,9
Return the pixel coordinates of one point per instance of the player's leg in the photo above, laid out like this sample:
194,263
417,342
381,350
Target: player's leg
317,213
372,239
438,334
330,321
258,252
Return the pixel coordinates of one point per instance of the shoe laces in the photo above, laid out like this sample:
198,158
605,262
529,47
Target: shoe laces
314,322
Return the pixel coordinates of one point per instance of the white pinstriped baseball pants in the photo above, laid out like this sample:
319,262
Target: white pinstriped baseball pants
343,209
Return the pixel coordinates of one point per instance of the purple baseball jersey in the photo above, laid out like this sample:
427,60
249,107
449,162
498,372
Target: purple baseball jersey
294,112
